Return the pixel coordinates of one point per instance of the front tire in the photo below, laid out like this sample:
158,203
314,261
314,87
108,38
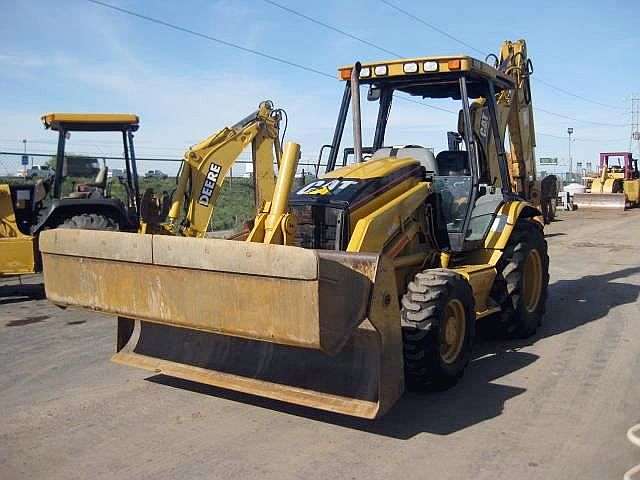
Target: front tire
522,280
438,327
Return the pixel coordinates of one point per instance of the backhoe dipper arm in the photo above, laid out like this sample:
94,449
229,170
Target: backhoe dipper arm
517,107
514,109
206,165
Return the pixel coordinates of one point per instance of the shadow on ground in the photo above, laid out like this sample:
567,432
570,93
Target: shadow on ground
478,397
573,303
472,401
27,321
21,293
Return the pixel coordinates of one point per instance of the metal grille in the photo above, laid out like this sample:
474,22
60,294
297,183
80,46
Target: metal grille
318,227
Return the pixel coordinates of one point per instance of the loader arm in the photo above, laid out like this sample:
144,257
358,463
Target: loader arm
206,164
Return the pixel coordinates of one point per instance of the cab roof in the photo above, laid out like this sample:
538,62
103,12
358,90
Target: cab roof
434,76
91,121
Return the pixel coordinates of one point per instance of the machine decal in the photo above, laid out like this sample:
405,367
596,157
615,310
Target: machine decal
209,184
325,187
484,124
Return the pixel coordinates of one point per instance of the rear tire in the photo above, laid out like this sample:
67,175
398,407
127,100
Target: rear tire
90,221
521,283
438,327
549,210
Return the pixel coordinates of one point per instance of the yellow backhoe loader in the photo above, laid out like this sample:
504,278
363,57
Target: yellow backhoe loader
356,286
617,186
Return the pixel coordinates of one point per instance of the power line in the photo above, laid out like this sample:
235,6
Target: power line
248,50
210,38
575,95
331,27
431,26
361,40
597,140
484,53
417,102
566,117
311,69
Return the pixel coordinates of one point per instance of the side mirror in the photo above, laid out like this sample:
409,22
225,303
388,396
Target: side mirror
454,139
374,93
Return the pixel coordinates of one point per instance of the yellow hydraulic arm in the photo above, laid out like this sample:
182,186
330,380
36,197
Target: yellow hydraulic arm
515,111
516,108
206,165
274,224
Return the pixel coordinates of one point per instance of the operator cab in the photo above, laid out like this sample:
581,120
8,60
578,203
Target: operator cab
469,197
80,184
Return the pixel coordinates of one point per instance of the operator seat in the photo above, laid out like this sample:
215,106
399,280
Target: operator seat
40,191
98,186
423,155
101,178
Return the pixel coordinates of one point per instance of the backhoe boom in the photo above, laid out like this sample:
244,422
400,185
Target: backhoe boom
206,165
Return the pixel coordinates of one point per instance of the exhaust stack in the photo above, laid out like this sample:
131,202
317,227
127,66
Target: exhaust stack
356,115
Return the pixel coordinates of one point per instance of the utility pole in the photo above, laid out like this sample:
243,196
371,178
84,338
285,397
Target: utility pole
570,132
635,123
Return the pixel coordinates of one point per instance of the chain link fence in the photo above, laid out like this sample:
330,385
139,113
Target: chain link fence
236,202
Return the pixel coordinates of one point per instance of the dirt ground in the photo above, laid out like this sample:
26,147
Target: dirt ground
555,406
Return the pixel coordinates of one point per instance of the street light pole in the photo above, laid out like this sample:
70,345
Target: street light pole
24,144
570,132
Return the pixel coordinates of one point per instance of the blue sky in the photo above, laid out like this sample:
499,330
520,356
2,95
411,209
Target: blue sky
72,55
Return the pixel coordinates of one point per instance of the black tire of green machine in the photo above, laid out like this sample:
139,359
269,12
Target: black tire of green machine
90,221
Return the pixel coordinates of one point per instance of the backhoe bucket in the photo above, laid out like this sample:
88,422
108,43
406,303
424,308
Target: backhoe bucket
616,201
309,327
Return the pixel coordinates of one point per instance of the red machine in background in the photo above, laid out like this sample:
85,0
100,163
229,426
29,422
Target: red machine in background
617,186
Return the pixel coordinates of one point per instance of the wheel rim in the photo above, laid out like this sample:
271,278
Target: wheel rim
454,330
532,281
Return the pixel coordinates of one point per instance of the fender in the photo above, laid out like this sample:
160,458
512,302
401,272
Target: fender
68,207
504,222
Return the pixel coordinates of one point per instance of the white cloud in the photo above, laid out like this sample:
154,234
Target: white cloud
32,61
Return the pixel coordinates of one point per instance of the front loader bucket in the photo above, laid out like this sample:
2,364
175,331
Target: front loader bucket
616,201
309,327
